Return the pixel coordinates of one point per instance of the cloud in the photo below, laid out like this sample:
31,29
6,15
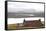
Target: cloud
18,6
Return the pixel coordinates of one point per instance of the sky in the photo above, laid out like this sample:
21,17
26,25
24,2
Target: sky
19,6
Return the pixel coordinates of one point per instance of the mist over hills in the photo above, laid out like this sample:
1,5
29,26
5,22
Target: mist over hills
25,13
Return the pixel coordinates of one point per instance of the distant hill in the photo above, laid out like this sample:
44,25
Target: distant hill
26,13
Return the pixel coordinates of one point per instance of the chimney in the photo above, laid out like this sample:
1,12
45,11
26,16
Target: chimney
40,20
23,21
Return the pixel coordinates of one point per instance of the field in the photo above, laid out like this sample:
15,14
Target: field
16,26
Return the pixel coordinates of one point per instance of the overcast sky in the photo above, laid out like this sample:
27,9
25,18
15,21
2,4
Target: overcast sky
19,6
